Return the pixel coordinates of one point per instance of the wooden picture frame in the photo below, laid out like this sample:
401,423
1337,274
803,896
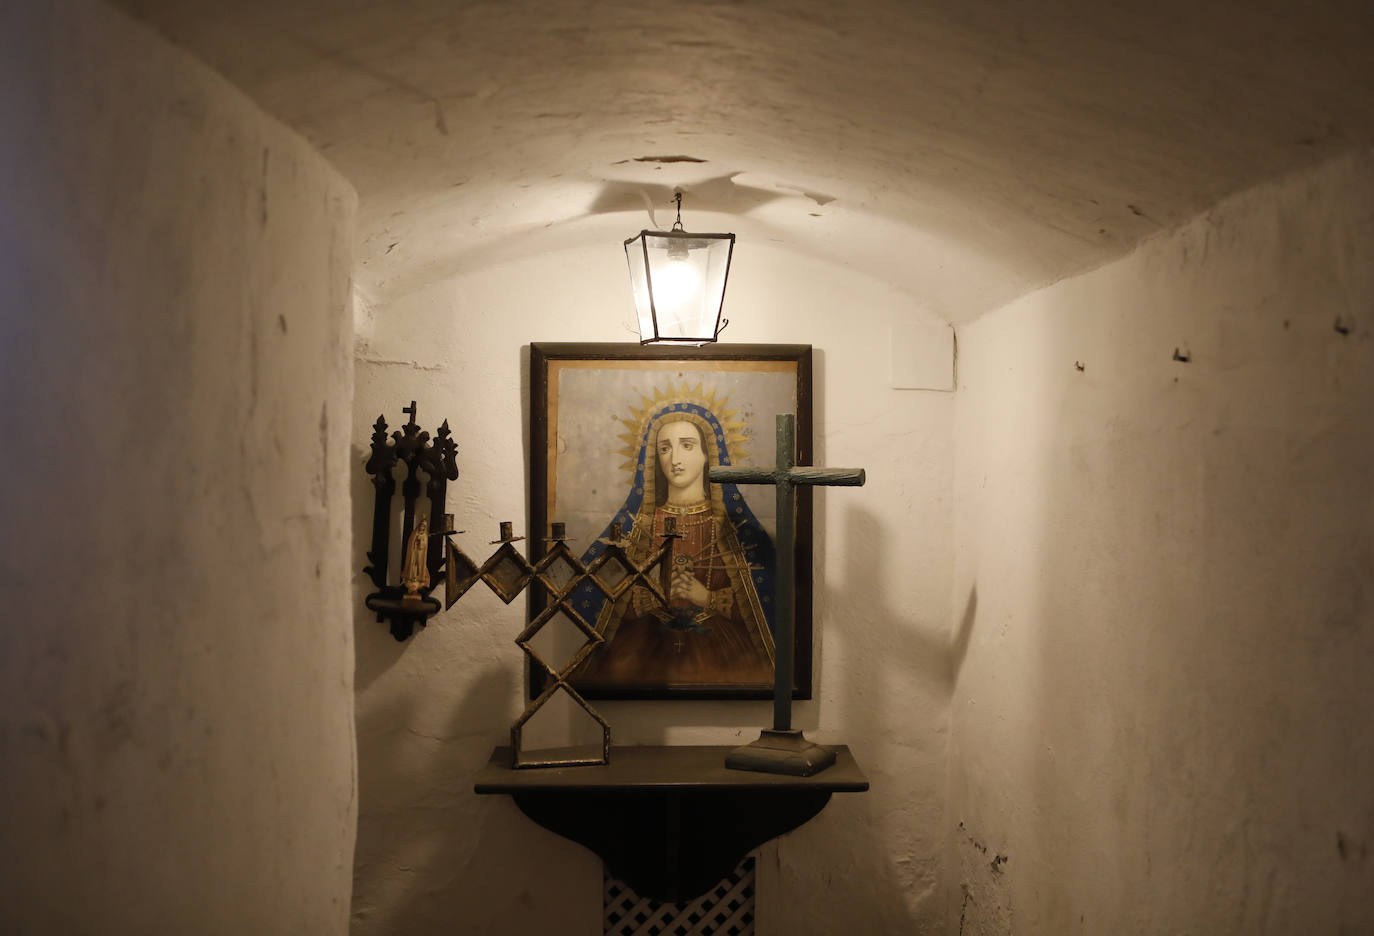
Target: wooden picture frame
597,412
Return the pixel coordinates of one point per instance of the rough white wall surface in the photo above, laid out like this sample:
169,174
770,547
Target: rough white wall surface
176,712
1165,583
434,858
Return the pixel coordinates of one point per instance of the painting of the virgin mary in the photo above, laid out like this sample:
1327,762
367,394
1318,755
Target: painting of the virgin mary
715,631
622,440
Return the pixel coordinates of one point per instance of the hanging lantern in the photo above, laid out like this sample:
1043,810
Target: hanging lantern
679,283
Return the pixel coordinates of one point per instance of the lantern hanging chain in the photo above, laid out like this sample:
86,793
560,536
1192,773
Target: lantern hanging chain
677,225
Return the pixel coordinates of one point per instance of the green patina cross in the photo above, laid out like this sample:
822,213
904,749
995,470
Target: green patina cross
783,750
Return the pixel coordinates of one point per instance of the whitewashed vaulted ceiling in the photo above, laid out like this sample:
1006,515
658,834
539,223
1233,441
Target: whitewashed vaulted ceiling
965,151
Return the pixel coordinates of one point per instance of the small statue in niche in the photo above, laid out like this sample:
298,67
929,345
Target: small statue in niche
414,574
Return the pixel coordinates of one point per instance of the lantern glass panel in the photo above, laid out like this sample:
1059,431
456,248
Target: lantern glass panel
679,296
639,282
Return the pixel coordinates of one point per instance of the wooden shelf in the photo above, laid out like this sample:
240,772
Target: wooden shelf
670,821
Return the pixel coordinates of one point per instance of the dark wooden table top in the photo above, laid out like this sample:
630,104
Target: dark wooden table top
664,768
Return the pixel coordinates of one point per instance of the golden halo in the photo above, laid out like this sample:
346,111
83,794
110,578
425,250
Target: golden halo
638,423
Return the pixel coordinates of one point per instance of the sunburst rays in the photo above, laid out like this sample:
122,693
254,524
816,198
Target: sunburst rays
638,423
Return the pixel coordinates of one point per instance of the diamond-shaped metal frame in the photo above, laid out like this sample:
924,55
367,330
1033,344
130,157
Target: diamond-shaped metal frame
546,617
518,755
645,574
507,553
559,553
558,676
613,553
460,574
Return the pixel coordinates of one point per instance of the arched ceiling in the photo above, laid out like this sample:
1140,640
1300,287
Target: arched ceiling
965,151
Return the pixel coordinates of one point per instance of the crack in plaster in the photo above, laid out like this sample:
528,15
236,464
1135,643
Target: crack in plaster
262,192
669,159
390,362
443,739
400,84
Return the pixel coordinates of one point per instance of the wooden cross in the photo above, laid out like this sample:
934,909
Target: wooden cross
786,476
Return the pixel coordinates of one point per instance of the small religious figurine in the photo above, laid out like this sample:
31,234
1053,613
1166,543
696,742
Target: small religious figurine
414,571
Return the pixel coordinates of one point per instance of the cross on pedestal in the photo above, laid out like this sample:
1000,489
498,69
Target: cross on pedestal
783,750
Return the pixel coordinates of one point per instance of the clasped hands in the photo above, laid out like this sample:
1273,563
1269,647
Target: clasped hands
684,584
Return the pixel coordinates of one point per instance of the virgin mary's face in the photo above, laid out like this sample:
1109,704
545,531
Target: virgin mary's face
681,456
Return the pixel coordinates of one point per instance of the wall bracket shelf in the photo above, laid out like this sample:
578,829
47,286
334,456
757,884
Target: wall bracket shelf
670,821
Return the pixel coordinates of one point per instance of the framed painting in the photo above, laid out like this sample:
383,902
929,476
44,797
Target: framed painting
621,439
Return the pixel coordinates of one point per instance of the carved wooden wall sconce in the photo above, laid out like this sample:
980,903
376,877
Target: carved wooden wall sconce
409,603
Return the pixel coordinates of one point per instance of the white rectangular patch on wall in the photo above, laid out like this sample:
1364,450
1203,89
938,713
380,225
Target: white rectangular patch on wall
922,355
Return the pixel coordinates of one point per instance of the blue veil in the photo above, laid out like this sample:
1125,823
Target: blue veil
755,541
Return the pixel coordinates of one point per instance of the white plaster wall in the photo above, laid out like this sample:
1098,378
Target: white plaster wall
176,711
1165,584
432,856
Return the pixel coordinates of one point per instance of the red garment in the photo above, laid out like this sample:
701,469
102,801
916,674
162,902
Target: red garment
714,646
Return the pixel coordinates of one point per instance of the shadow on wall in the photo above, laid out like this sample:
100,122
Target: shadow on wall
878,854
432,856
435,857
373,657
912,642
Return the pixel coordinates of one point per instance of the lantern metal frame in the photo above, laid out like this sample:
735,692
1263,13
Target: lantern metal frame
676,236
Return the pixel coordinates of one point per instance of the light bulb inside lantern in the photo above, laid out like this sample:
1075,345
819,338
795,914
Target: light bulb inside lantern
677,289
